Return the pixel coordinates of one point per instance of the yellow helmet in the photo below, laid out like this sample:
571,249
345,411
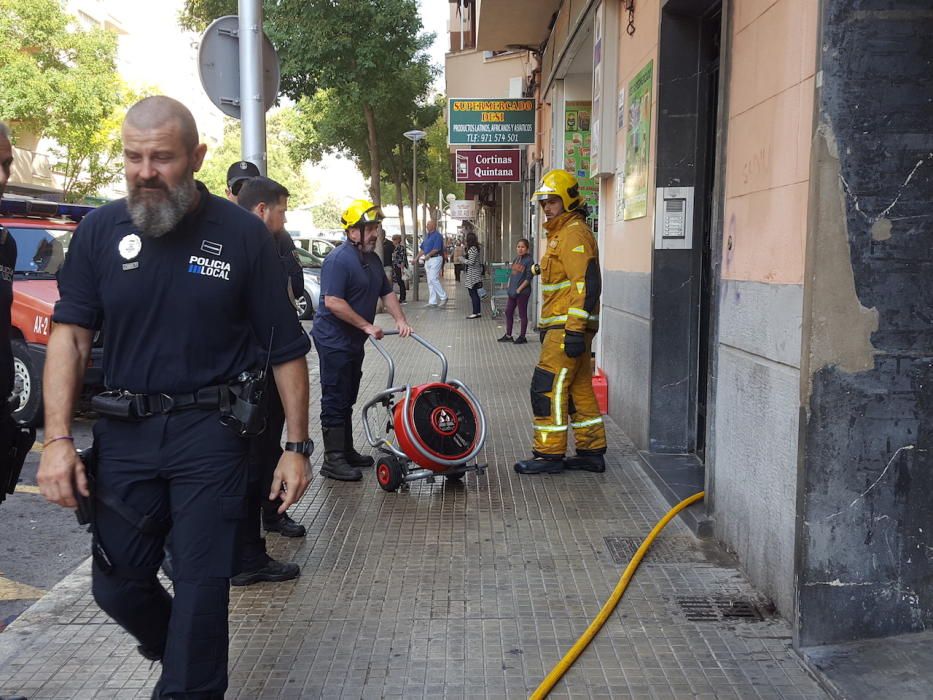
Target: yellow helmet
562,184
360,212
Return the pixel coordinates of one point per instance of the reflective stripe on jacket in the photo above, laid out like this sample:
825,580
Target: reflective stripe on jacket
570,278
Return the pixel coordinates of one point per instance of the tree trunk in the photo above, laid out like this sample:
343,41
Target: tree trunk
375,167
400,201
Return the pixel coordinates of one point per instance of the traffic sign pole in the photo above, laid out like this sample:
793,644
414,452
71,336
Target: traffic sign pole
252,102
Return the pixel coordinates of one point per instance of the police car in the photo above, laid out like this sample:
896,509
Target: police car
42,231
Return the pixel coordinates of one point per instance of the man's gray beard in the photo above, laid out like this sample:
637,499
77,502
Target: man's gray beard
155,219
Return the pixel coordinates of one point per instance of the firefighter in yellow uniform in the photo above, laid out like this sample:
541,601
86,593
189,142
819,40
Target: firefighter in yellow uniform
562,395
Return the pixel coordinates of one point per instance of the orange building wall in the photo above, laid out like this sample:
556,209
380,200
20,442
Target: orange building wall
768,146
628,244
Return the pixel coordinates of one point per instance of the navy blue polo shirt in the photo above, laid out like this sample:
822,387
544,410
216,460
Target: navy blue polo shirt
183,311
7,266
360,281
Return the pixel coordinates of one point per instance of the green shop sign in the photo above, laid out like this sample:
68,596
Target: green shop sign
480,122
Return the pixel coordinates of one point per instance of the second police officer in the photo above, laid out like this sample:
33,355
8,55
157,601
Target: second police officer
352,282
187,283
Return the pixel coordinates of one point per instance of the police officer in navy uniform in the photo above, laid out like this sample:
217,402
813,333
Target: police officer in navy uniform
7,265
352,282
187,283
268,200
238,174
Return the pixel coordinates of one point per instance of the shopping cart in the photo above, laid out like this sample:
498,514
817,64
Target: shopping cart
500,287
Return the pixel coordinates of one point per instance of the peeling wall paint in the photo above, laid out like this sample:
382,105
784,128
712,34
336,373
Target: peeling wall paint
864,564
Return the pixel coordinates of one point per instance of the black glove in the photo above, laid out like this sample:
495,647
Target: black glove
573,344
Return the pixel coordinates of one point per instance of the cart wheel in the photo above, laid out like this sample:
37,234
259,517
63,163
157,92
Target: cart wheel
456,476
389,473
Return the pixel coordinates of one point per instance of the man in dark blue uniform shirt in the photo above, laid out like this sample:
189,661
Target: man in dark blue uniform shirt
352,281
187,283
7,265
268,200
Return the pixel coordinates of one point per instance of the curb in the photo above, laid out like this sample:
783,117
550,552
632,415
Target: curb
46,611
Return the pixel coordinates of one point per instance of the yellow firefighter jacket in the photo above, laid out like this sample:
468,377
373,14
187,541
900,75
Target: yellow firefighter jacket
570,278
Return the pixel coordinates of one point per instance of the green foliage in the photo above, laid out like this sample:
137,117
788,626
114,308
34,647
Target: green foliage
327,214
356,68
62,83
281,167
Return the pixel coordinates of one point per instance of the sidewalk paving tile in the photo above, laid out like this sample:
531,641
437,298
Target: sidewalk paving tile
447,590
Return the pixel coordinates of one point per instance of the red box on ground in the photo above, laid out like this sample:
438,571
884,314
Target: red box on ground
601,389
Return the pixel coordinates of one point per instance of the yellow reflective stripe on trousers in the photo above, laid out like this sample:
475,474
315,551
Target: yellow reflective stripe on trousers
587,423
578,313
552,319
558,396
555,287
551,428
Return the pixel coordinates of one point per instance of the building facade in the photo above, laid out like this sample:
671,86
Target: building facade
761,172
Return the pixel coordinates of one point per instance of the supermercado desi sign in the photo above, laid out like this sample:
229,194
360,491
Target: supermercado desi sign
477,121
488,165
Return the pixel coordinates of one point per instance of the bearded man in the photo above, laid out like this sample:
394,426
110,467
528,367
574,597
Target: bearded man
187,282
352,282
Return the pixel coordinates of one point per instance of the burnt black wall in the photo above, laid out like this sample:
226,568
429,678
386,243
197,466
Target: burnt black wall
864,534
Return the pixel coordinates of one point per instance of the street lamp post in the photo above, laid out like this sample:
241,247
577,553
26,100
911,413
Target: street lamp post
415,135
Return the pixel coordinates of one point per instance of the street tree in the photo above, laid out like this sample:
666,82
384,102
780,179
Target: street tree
368,55
280,165
60,82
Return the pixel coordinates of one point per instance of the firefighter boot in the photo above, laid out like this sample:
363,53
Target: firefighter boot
335,464
541,464
586,462
353,457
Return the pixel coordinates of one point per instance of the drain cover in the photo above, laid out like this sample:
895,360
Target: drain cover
718,609
665,550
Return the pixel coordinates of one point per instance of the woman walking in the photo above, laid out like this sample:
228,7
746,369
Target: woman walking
473,272
400,266
519,292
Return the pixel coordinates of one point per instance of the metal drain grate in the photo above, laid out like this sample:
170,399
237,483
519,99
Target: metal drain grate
718,609
665,550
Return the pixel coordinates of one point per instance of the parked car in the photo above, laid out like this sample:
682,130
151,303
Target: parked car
42,231
318,248
311,269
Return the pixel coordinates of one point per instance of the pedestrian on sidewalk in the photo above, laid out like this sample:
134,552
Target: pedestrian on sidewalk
519,292
388,252
459,252
268,200
432,251
352,282
400,267
562,384
187,283
473,270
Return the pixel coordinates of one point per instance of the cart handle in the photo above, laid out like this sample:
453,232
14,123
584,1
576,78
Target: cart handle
391,362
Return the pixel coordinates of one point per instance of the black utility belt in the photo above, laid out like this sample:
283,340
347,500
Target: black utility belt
129,406
240,403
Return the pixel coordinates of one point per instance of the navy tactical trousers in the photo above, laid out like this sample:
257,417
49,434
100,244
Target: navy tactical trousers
189,471
341,372
264,452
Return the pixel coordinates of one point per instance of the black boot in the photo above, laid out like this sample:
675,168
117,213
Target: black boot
586,462
273,571
353,457
335,464
541,464
282,524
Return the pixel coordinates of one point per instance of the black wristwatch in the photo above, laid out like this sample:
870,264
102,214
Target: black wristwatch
303,448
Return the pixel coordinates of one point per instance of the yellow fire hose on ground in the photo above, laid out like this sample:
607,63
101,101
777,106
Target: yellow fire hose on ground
565,663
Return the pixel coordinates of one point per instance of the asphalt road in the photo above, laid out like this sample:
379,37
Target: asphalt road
41,543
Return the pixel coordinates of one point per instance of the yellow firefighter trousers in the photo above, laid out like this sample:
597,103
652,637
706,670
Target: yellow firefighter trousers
562,398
